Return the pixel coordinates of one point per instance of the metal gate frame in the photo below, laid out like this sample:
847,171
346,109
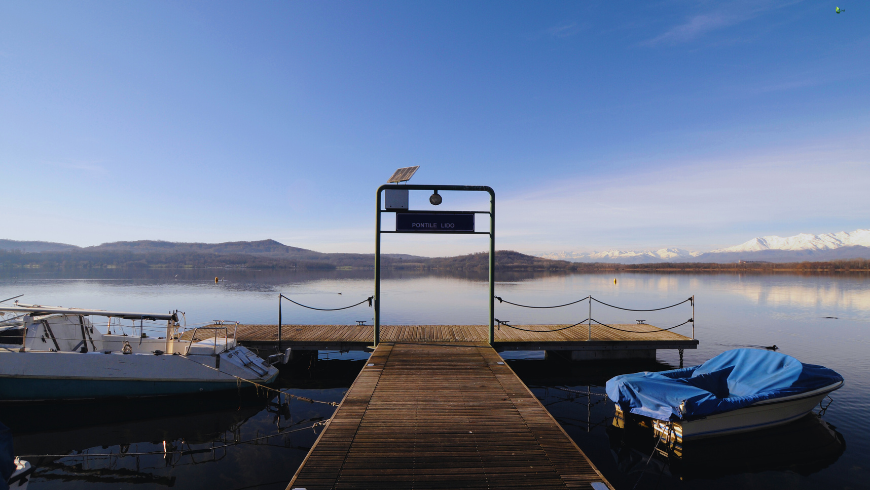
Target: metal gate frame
491,233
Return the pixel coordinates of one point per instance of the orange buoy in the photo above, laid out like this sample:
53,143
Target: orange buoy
215,280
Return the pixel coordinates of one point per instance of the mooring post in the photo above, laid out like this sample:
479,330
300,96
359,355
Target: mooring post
491,266
681,358
693,317
590,318
377,298
279,321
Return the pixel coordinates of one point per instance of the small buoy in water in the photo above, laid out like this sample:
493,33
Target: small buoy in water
215,280
614,280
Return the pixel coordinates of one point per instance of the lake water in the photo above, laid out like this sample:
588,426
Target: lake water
250,442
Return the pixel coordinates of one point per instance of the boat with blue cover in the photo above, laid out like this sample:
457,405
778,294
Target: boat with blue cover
737,391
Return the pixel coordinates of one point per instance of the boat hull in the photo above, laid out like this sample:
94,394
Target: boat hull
769,413
33,389
35,376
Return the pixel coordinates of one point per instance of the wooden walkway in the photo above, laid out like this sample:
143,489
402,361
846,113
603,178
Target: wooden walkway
542,337
442,415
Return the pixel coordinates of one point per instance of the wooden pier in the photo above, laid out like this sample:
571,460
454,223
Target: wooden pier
442,415
637,341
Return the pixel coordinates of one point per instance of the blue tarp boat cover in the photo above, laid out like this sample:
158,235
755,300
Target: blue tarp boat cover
733,379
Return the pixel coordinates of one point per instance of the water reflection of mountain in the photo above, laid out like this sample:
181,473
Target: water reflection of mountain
259,279
805,446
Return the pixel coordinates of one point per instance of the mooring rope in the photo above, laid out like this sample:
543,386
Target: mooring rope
631,309
501,300
562,388
263,387
635,331
369,299
182,452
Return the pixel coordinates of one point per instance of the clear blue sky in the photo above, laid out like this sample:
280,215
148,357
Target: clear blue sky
632,125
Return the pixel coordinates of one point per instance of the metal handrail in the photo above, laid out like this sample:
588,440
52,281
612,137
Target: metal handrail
215,328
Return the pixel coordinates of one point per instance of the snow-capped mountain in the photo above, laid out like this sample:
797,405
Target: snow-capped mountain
804,241
828,246
624,256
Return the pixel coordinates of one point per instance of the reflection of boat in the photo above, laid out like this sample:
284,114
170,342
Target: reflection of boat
39,430
737,391
21,476
804,446
14,472
58,354
193,425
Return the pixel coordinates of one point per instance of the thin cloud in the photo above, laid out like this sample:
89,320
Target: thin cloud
726,15
91,167
696,26
689,205
563,30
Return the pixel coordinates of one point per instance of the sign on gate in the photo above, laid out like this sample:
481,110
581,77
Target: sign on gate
434,222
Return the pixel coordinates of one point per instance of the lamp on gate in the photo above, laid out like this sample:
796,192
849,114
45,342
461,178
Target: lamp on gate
435,198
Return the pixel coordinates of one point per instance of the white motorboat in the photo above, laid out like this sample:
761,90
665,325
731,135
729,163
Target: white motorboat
763,414
54,353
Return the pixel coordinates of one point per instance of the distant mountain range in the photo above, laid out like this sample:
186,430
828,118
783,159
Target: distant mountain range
272,254
263,254
803,247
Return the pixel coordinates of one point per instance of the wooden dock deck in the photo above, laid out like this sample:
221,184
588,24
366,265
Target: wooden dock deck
531,337
442,415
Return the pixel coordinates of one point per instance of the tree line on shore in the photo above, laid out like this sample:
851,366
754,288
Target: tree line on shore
505,260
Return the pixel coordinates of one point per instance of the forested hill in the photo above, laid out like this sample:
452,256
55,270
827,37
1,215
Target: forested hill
270,254
261,247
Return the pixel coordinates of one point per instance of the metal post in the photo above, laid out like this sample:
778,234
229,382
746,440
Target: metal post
491,267
693,317
590,317
377,298
280,296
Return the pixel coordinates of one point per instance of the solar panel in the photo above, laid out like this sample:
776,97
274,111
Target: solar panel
402,175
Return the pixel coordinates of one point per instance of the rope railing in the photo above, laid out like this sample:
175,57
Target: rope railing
506,324
690,320
280,320
369,300
501,300
631,309
590,297
589,319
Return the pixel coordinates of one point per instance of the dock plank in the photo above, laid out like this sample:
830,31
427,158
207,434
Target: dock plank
532,337
442,415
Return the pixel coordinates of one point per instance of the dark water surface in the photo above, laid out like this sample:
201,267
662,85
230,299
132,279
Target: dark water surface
236,441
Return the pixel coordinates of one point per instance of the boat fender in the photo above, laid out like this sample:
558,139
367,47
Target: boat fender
127,349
